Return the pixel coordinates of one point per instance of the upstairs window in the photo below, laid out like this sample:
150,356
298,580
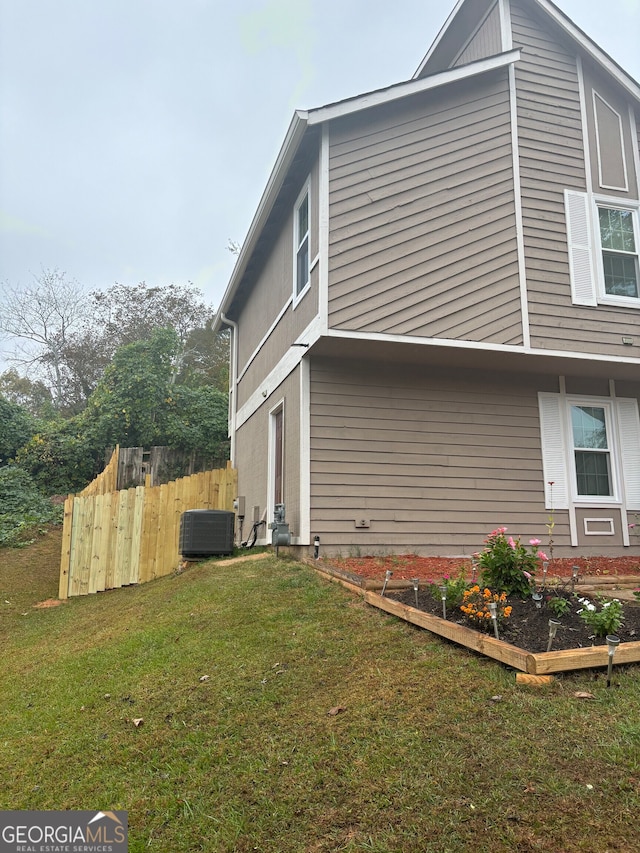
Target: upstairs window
603,236
301,242
619,252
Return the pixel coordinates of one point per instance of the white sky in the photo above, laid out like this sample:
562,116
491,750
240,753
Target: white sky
136,136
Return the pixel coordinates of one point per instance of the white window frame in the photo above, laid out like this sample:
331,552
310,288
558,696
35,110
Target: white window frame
298,241
605,298
612,449
586,270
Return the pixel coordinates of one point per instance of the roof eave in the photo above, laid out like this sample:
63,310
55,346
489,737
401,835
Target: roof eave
287,152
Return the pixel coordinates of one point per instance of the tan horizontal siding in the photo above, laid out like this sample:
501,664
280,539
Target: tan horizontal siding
551,151
432,461
421,207
487,41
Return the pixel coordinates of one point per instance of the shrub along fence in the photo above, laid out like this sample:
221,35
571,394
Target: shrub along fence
132,536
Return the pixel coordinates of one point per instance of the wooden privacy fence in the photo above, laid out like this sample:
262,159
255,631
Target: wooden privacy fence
107,480
132,536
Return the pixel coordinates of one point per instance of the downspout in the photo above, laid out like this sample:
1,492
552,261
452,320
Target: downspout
233,384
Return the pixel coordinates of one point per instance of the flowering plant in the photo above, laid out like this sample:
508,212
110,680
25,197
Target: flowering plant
475,606
507,565
605,621
454,589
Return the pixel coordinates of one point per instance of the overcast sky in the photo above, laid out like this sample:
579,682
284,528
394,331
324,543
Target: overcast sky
136,136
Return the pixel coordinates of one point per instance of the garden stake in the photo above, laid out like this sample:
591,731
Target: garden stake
574,576
537,597
554,624
416,582
612,643
387,577
545,567
443,593
493,609
474,571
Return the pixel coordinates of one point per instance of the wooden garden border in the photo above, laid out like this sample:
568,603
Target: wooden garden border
540,663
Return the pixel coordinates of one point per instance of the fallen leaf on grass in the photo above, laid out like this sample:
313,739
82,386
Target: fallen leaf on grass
205,677
338,709
137,722
582,694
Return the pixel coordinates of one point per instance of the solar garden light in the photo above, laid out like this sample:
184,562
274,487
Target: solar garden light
316,547
612,644
474,571
537,597
416,583
575,570
443,595
493,610
554,624
545,569
387,578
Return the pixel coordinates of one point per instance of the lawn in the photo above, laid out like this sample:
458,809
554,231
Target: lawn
238,674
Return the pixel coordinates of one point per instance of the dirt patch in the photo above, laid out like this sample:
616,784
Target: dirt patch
50,602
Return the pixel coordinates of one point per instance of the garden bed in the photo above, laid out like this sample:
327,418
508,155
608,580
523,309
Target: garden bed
522,645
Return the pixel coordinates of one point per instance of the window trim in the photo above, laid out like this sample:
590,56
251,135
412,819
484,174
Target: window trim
615,461
298,240
603,297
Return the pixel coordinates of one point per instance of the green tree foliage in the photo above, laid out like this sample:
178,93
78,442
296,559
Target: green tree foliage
60,458
17,425
34,396
130,406
22,506
197,421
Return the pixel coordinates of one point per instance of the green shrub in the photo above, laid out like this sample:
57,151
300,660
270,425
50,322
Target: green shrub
23,509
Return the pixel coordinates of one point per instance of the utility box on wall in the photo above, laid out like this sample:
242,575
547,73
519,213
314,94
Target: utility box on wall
206,533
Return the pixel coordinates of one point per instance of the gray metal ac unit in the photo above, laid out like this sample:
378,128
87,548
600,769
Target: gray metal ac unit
206,533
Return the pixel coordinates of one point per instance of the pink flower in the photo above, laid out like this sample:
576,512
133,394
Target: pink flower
534,542
527,575
631,526
512,544
542,556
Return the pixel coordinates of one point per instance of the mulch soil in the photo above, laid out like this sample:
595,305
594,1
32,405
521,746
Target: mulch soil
407,566
528,626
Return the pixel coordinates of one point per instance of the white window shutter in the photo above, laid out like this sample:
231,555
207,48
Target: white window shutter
581,267
629,426
553,452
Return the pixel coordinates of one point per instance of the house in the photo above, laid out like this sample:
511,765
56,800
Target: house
436,312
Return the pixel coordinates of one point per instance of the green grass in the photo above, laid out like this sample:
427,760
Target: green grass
421,759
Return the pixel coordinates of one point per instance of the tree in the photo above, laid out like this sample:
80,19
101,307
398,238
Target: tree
34,396
42,317
16,428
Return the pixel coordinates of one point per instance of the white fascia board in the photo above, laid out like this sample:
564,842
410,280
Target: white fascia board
439,37
412,87
591,48
287,364
283,162
481,346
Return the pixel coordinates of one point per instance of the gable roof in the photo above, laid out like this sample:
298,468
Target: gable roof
587,45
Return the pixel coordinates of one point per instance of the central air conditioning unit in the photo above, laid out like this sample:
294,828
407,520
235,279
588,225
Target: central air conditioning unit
206,533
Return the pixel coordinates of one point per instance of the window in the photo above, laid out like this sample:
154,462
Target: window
590,450
301,242
603,239
619,253
592,456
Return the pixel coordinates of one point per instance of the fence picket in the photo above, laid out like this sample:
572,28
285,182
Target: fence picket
112,539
